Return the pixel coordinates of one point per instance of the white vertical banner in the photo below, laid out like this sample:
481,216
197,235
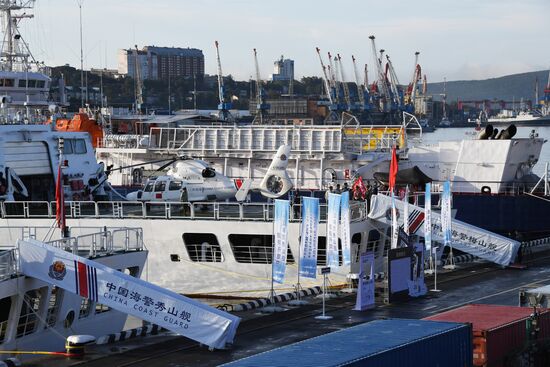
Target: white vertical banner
280,235
333,216
345,236
309,238
406,211
428,217
394,225
446,214
124,293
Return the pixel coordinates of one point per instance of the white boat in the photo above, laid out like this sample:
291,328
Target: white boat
36,316
531,118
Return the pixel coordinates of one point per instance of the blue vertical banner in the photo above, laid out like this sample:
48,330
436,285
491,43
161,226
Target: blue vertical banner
428,217
333,216
308,242
365,289
280,239
345,236
394,225
406,211
446,213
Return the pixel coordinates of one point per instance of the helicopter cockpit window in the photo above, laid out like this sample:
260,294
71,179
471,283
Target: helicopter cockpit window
208,172
149,187
174,185
160,186
274,184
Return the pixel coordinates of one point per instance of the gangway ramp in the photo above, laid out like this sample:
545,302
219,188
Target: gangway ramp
465,237
124,293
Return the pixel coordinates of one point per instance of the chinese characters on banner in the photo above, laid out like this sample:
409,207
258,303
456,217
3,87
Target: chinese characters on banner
406,211
280,235
308,243
446,214
89,279
345,236
333,215
428,218
394,225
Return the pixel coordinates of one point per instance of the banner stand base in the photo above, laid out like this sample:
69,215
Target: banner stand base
323,317
449,267
435,290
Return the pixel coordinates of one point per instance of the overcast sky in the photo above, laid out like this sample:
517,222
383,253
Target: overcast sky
457,39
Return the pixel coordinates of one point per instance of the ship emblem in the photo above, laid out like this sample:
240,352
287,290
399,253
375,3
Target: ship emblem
57,270
283,157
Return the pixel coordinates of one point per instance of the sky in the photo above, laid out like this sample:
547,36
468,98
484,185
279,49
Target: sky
457,39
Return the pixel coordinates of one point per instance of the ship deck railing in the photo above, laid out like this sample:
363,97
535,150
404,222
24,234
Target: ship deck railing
164,210
246,140
91,242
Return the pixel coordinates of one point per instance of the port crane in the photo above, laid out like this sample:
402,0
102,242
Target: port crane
379,87
410,95
262,108
547,96
223,106
396,92
138,81
329,81
345,86
362,91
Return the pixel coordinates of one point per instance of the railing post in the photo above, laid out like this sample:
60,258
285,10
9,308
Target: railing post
241,211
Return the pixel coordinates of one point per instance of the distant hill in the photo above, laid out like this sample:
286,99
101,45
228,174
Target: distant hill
507,88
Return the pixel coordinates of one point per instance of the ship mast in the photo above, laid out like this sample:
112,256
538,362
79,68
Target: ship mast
15,52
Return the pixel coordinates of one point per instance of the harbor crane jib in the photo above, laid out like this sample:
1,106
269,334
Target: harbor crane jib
410,94
262,107
379,86
345,86
396,92
362,92
223,106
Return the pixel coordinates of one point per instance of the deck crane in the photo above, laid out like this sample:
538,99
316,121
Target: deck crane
345,86
361,92
223,106
381,82
262,108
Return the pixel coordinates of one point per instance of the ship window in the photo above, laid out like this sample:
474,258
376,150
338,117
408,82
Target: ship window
68,146
56,297
79,146
22,83
40,83
149,187
322,251
254,248
5,307
85,308
6,82
32,83
373,240
203,247
29,309
174,185
160,186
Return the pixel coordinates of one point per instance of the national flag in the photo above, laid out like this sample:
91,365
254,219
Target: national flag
393,169
86,280
59,200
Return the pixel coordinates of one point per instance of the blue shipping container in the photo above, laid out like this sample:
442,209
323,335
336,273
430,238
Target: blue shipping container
380,343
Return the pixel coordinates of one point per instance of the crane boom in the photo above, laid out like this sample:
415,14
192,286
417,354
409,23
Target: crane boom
345,86
333,78
223,107
360,87
325,76
139,87
394,83
379,70
261,105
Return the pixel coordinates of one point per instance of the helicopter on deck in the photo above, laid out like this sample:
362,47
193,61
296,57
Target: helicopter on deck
190,180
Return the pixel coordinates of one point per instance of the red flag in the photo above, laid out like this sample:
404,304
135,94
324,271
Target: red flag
59,200
393,169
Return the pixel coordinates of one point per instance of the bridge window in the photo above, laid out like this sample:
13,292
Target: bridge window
56,297
5,307
149,187
29,309
160,186
254,248
202,247
85,308
40,83
6,82
79,146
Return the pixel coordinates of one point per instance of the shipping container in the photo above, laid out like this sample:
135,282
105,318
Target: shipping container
380,343
499,332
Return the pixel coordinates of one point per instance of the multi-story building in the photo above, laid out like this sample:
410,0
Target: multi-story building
161,62
283,69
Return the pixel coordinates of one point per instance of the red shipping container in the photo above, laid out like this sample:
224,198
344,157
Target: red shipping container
498,331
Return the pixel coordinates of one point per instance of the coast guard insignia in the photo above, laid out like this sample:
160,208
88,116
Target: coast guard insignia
57,270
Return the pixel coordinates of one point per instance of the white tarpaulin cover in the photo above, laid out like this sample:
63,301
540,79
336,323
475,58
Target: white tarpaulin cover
465,237
127,294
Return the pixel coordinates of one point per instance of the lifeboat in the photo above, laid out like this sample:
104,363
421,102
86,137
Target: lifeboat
81,122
